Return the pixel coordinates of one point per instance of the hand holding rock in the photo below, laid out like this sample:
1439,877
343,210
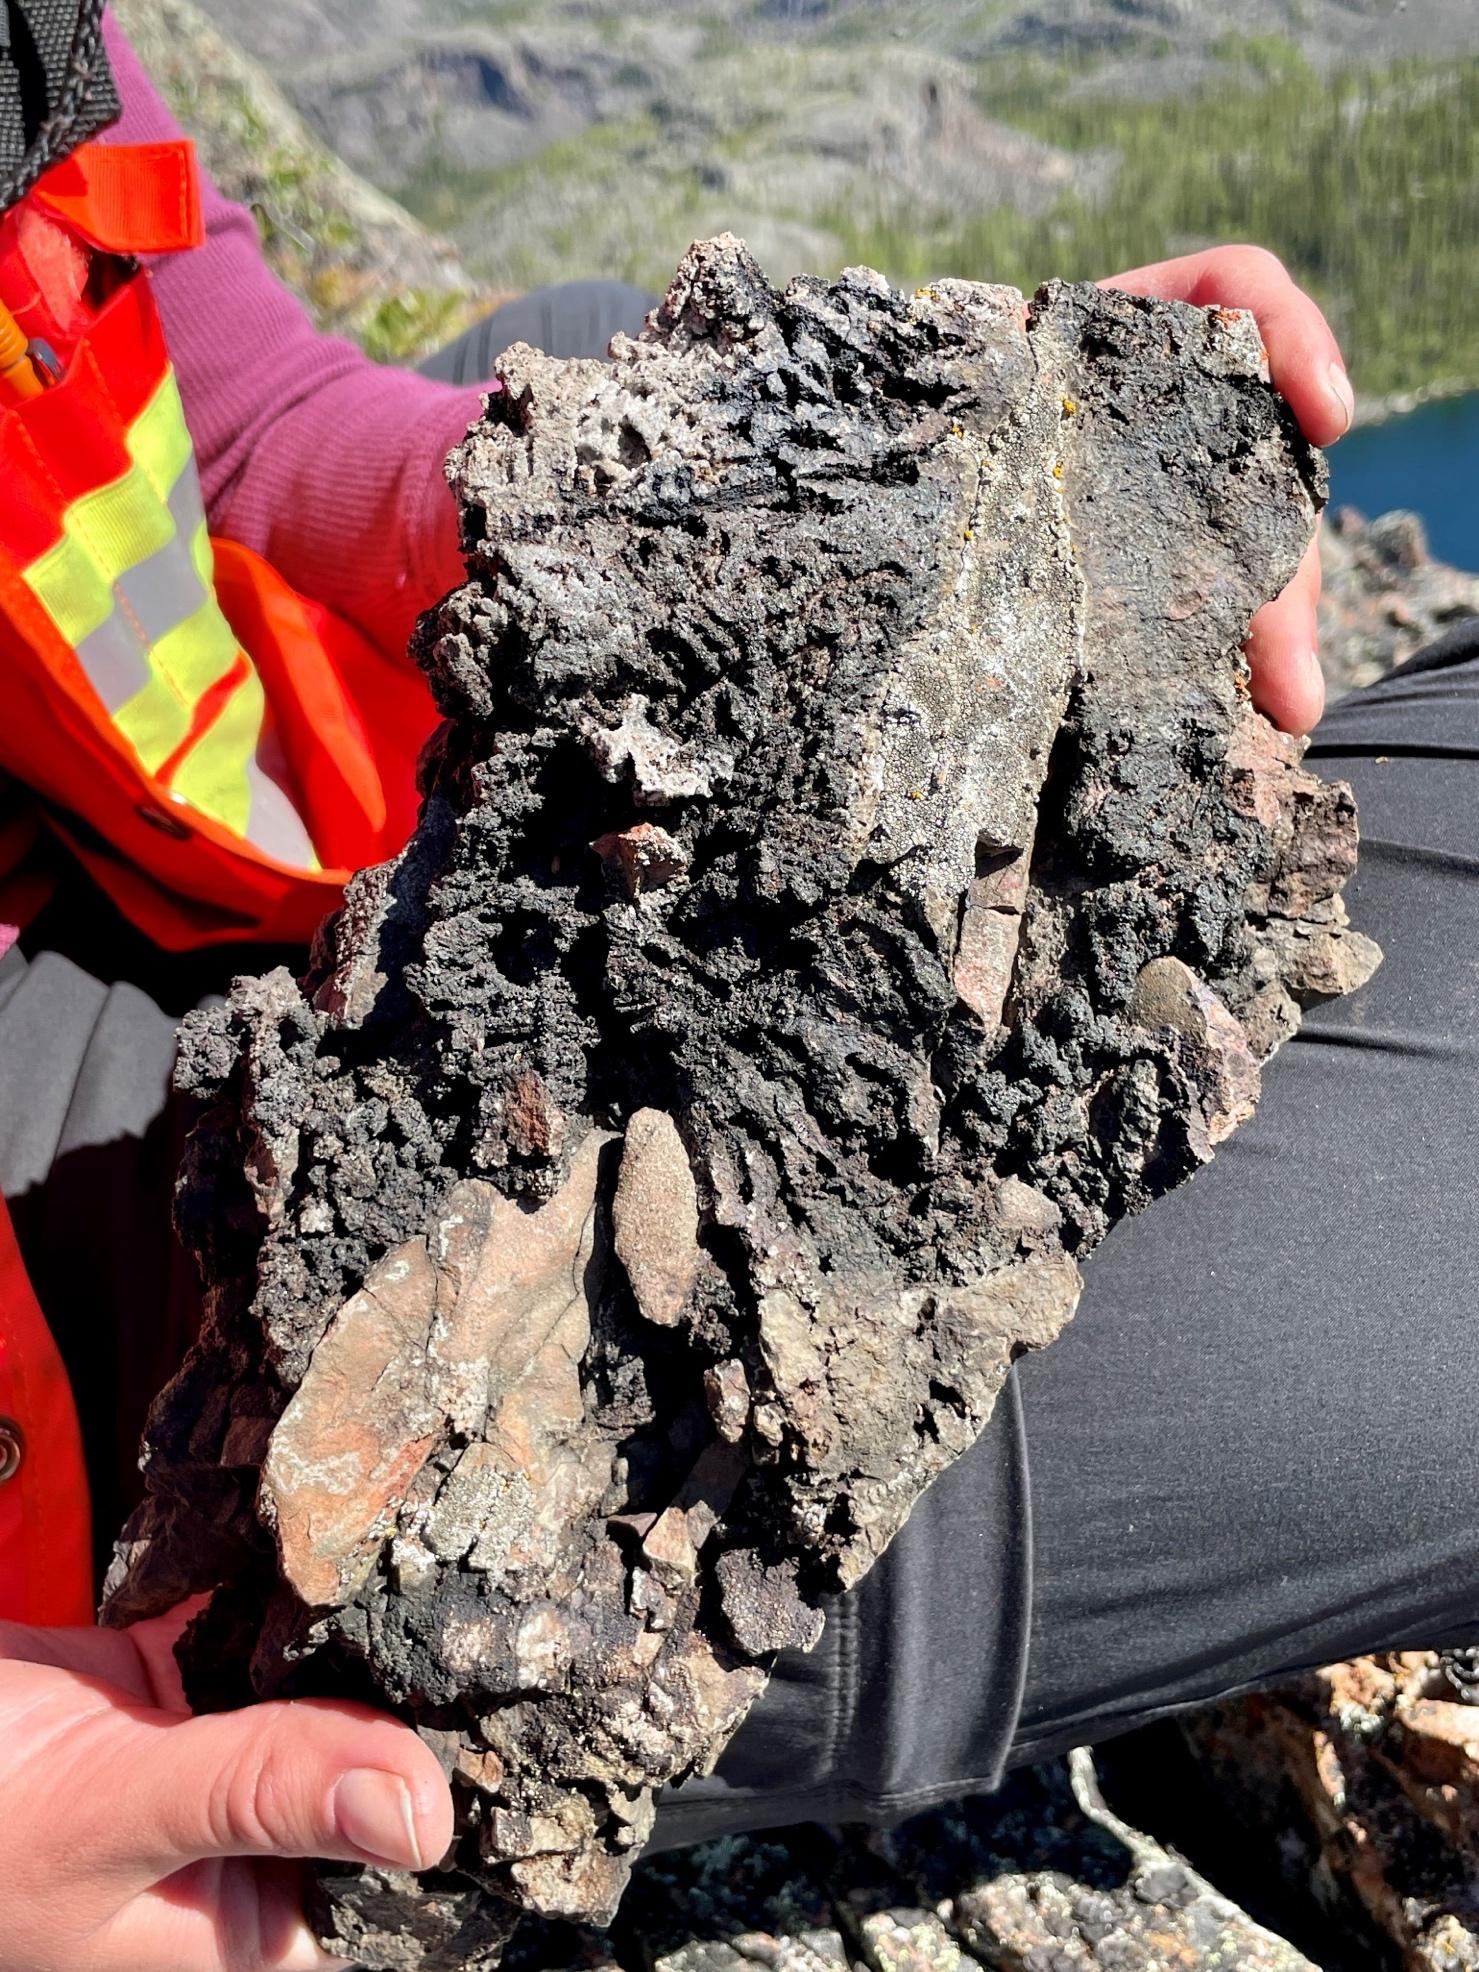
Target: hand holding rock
136,1835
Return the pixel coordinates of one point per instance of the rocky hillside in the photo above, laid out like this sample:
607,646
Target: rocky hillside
1327,30
368,269
556,146
1384,597
1005,139
365,267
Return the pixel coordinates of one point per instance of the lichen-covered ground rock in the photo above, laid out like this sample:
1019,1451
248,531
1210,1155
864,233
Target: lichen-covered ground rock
1359,1786
1042,1877
1046,1878
851,877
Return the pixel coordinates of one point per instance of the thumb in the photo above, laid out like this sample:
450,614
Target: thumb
312,1778
1288,684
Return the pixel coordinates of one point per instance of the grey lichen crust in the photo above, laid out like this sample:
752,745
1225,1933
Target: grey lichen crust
850,878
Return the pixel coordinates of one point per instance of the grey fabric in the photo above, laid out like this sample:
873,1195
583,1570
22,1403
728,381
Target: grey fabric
1253,1449
83,1064
89,1144
577,318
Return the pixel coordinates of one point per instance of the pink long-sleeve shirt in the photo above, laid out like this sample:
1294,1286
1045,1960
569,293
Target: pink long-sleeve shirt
327,464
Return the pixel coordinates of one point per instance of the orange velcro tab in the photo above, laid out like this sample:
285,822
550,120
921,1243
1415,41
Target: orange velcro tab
128,198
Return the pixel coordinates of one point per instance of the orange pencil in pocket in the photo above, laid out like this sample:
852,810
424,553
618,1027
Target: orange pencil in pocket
26,366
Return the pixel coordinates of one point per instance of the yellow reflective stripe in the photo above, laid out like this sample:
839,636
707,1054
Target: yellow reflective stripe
204,557
153,721
103,534
158,441
184,661
213,775
70,587
196,652
112,529
120,525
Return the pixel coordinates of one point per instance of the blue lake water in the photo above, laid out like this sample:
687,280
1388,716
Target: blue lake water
1428,461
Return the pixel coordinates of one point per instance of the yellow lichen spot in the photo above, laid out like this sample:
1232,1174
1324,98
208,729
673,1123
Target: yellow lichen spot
916,794
1070,405
1058,470
969,534
957,431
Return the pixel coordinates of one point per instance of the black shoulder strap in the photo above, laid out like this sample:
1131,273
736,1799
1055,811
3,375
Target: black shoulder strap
56,89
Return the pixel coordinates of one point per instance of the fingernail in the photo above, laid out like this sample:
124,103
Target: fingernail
1343,396
373,1813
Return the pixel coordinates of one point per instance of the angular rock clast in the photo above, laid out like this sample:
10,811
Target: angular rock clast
850,878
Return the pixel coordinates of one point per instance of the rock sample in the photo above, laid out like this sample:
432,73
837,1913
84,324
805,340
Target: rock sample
1362,1781
850,878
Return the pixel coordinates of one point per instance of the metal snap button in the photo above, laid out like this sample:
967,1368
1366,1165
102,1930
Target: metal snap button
163,820
12,1448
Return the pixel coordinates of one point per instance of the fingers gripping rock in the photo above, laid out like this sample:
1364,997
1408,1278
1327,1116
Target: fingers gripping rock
851,877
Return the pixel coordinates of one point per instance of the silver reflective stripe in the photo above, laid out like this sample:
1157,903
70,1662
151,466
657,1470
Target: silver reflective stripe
165,590
115,661
186,506
274,826
155,595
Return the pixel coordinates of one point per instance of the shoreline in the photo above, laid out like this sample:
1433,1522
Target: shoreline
1400,403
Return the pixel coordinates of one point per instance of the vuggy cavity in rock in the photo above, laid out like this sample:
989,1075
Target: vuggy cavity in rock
851,876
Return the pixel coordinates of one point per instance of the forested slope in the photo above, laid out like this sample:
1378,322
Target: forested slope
993,138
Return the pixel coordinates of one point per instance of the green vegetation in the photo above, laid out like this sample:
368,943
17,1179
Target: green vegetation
569,185
1365,183
1364,180
362,267
927,137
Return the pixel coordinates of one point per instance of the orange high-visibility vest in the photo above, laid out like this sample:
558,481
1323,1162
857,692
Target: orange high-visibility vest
45,1530
218,750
